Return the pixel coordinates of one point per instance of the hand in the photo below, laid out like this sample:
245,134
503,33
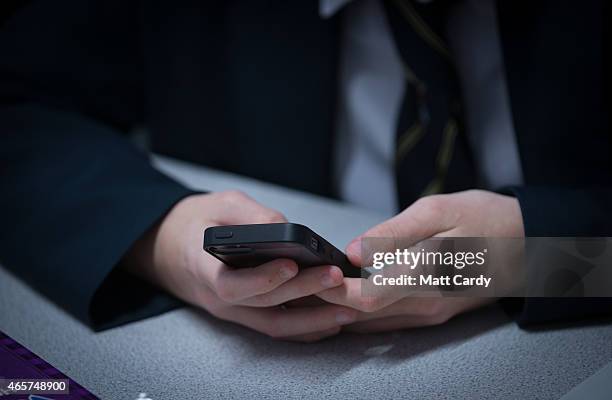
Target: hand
465,214
171,256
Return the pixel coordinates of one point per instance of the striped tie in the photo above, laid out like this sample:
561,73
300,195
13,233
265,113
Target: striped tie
432,155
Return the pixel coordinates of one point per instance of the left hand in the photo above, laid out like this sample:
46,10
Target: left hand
471,213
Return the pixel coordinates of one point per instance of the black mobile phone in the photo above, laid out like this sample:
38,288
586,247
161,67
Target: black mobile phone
243,246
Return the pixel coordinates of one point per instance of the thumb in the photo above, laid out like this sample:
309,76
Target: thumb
423,219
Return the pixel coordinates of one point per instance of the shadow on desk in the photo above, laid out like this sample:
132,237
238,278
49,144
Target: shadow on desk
351,349
571,324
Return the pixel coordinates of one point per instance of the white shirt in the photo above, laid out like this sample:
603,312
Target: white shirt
371,87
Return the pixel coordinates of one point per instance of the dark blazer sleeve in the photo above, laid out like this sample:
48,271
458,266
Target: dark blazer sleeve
557,64
74,192
562,212
75,196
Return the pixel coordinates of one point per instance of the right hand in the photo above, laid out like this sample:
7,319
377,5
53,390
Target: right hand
171,256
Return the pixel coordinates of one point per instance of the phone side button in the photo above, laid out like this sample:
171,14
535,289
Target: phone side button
224,235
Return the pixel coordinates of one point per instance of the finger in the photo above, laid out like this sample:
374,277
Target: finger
316,336
416,312
307,282
235,285
282,323
350,295
410,307
237,207
424,218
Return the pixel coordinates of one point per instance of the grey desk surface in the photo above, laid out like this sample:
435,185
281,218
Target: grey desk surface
187,354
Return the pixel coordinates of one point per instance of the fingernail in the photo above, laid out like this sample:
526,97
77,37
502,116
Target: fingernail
353,247
342,317
287,272
328,281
